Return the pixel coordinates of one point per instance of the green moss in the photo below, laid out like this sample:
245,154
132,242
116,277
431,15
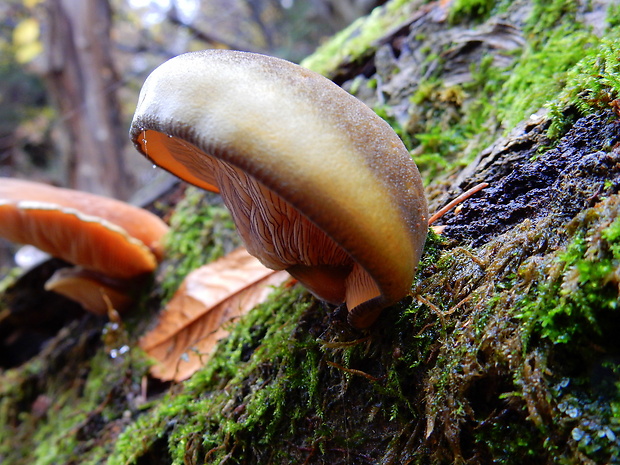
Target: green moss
236,400
581,288
505,353
613,15
561,354
512,442
588,410
591,85
201,230
435,147
383,112
264,390
470,9
563,59
541,72
67,404
433,248
8,280
561,66
550,70
547,15
496,99
457,121
490,381
439,138
357,39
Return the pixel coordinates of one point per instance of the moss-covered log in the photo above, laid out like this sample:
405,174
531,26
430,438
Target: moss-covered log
505,352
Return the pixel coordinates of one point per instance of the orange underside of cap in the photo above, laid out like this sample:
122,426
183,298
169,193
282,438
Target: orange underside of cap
78,239
138,223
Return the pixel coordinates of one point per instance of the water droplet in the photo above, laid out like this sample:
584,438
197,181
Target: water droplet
573,412
610,434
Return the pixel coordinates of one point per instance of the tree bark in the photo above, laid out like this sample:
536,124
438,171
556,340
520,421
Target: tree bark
82,79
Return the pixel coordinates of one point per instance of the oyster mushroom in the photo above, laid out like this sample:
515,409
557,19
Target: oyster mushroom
116,243
317,183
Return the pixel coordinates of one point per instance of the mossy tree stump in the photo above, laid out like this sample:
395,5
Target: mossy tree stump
506,349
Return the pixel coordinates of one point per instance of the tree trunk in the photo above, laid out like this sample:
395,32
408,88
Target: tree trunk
83,82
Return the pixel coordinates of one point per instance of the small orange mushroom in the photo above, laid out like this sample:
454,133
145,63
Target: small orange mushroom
88,288
317,183
117,243
136,222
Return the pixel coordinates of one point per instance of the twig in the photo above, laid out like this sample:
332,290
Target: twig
464,196
353,371
342,345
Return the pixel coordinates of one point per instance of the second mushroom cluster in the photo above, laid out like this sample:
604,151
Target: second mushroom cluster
113,246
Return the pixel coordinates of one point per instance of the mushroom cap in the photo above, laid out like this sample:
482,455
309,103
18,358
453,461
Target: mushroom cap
88,288
136,222
80,239
320,164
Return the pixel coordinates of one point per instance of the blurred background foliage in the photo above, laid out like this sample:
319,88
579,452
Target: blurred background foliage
36,138
70,73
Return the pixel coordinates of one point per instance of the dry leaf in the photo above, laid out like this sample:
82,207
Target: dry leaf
209,297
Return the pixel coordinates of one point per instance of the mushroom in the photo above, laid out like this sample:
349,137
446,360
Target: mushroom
317,183
116,243
94,291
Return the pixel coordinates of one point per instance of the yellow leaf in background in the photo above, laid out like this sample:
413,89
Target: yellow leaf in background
32,3
26,40
26,31
27,53
195,318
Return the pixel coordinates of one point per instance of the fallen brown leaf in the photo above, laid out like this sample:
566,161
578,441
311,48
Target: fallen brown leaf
209,297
